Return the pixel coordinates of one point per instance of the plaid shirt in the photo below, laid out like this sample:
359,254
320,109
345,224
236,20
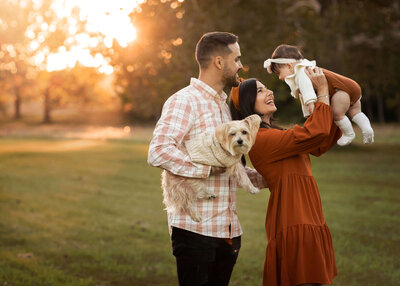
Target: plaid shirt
193,110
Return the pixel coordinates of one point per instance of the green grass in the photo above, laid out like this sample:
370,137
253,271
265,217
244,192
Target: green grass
89,212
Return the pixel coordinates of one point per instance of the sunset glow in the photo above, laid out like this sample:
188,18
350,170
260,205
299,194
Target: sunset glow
109,18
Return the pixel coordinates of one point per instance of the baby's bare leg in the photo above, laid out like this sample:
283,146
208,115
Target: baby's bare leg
340,103
362,121
354,109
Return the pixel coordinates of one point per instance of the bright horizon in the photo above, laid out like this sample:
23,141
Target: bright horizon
110,18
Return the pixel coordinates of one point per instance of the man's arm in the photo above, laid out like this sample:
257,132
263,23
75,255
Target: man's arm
174,124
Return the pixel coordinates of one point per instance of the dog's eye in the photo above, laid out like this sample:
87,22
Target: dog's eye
233,134
244,132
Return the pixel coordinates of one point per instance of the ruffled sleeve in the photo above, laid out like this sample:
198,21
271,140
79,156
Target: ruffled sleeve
273,145
329,142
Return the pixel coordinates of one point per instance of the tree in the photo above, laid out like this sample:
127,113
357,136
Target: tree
363,46
141,69
15,69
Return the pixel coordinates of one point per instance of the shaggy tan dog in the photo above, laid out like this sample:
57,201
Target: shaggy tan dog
222,148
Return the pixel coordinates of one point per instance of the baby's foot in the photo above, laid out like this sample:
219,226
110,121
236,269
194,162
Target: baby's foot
346,139
368,136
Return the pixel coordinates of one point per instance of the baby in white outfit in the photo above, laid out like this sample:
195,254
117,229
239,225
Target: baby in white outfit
345,94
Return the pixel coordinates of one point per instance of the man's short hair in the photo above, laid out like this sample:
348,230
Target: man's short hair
213,44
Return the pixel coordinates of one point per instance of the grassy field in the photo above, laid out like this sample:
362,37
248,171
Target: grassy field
89,212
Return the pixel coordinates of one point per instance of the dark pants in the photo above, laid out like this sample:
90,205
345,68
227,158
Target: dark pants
203,260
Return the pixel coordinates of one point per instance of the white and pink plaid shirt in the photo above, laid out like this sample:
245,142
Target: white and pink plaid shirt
192,110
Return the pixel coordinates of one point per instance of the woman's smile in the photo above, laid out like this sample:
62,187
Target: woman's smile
264,104
270,102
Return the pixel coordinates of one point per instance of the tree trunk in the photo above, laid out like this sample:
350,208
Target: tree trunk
381,109
17,103
47,108
398,108
368,104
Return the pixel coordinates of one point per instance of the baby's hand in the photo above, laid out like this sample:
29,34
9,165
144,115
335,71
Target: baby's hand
310,107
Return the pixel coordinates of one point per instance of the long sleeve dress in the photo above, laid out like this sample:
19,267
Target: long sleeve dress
300,248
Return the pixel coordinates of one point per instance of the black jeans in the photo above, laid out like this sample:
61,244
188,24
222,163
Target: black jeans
203,260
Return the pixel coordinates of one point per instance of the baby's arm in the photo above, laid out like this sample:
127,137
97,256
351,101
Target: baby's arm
307,90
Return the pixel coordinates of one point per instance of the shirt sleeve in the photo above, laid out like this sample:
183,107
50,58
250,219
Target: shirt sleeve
306,88
276,144
174,124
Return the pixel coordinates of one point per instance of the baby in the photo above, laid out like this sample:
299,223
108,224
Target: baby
345,94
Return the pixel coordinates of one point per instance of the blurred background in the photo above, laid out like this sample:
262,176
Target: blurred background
116,62
82,83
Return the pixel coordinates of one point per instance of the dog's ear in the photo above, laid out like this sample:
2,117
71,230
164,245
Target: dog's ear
221,133
253,121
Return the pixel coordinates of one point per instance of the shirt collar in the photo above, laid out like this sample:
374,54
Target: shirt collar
207,90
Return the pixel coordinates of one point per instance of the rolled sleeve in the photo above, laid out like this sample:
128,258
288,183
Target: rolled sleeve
165,148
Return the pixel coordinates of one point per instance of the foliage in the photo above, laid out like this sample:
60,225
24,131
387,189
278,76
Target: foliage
359,39
31,31
363,46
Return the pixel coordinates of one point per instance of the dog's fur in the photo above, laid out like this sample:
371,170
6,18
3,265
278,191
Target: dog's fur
229,142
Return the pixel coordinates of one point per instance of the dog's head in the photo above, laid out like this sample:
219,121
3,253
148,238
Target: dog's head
238,136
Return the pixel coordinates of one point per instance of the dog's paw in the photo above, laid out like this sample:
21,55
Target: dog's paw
194,215
254,190
197,218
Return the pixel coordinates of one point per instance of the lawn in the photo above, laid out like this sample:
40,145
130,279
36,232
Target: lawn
89,212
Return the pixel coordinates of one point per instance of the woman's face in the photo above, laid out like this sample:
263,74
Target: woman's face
265,100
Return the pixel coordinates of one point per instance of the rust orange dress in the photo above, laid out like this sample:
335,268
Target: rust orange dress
300,248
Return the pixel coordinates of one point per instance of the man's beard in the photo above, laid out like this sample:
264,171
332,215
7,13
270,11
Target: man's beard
230,80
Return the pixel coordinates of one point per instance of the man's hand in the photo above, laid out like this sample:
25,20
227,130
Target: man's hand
217,170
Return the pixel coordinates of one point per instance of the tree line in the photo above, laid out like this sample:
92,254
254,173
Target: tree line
359,39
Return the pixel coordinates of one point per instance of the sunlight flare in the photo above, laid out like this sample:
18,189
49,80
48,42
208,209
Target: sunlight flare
109,18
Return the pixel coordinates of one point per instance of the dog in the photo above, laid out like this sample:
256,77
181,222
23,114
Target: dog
222,148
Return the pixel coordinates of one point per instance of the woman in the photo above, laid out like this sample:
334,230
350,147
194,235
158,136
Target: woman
299,250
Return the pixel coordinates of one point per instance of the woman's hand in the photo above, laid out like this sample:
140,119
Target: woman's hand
318,80
310,107
320,83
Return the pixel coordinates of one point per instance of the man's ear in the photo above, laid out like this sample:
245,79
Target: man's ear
219,62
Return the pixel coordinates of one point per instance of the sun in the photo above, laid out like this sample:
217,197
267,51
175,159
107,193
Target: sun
108,17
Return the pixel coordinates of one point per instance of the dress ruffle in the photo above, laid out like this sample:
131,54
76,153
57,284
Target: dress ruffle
300,254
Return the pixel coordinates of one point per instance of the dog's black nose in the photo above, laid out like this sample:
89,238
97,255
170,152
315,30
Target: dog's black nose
240,141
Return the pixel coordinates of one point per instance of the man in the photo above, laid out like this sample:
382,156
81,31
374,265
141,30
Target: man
205,252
